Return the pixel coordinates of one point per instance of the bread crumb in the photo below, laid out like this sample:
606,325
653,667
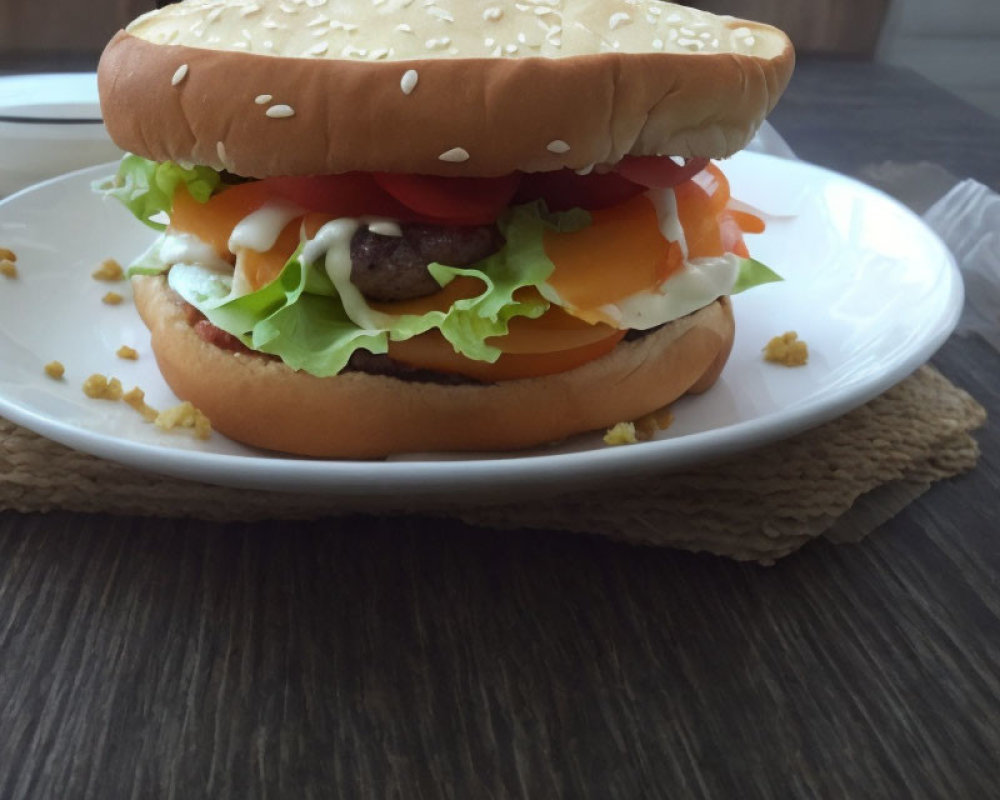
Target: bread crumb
6,254
184,415
110,270
8,268
648,426
99,387
787,350
126,352
621,433
55,370
136,398
112,299
642,430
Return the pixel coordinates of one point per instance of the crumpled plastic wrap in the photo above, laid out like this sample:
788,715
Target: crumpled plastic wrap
968,220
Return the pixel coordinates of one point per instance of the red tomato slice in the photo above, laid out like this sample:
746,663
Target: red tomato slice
352,194
456,201
659,172
563,189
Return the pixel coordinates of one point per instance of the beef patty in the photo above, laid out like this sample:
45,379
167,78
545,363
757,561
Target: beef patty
386,268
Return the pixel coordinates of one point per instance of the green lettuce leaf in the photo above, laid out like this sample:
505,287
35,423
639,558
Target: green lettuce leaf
146,188
301,318
753,273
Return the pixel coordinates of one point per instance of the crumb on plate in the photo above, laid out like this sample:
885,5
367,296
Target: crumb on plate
6,254
55,370
787,350
136,398
126,352
8,268
621,433
99,387
109,270
641,430
184,415
112,299
648,426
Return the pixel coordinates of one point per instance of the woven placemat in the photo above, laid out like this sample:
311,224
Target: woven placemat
841,480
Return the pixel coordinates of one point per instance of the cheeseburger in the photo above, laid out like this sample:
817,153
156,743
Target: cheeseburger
410,225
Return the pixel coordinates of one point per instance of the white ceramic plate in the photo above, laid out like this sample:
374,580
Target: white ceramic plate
868,286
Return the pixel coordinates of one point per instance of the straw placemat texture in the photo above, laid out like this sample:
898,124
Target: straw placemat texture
841,480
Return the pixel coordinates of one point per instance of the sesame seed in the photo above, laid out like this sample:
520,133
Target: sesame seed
510,49
585,170
250,10
179,75
220,149
750,41
619,18
455,155
557,146
318,49
440,13
322,19
404,28
263,99
409,81
379,53
492,13
437,44
657,44
280,111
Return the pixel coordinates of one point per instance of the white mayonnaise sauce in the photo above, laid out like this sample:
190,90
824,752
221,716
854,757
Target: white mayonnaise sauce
261,229
697,284
334,240
176,248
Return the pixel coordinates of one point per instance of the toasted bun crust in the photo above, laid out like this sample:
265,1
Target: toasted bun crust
264,403
444,89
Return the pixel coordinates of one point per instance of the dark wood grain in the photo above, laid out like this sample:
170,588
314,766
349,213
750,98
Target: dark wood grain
850,114
410,658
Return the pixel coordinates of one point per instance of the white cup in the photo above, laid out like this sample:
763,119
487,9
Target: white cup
49,125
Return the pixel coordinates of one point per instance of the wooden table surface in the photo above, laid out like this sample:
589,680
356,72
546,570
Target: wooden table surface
413,659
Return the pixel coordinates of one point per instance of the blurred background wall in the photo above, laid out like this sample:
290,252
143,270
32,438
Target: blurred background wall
955,43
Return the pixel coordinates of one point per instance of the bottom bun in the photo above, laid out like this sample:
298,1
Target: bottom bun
263,402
